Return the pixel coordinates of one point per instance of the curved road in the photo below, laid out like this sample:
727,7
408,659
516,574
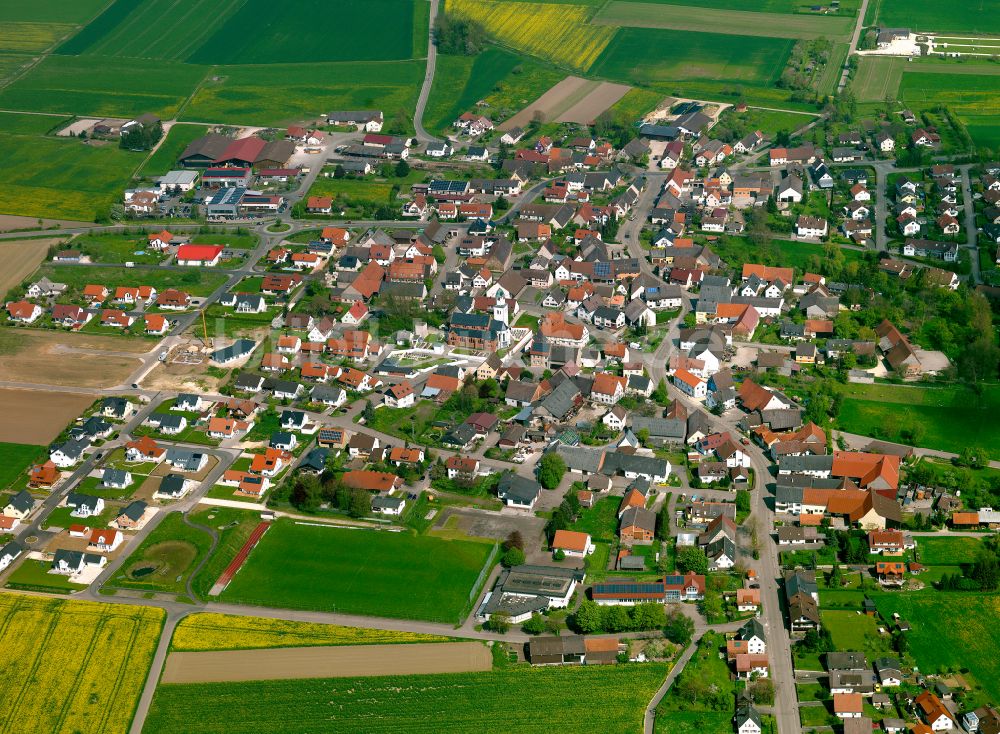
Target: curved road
425,91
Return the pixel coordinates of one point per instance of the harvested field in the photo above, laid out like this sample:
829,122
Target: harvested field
596,101
571,100
21,258
326,662
64,358
31,416
718,20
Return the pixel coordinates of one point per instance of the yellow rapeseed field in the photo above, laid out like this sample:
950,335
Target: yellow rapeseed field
209,631
73,666
556,31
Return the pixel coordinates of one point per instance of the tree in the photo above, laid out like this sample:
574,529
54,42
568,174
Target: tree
588,618
402,168
499,622
679,628
514,540
534,626
551,469
615,618
368,412
761,691
339,171
711,605
986,571
512,557
648,616
692,558
458,36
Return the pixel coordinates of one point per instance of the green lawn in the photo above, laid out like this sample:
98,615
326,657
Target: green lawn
601,520
165,559
946,551
33,575
15,462
360,572
61,517
117,248
948,418
970,644
852,630
610,698
234,527
803,256
679,711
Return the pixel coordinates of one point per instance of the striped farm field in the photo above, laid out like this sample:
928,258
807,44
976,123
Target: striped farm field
73,666
716,20
611,699
877,78
976,94
555,31
210,631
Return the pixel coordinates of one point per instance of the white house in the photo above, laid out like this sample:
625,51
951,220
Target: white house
691,384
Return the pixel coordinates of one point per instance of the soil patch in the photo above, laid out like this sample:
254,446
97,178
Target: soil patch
594,103
550,104
35,416
21,258
67,358
326,662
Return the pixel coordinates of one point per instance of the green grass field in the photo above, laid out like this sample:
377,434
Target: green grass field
196,281
360,572
90,85
116,248
635,104
803,256
34,575
601,520
11,63
14,123
165,559
972,16
473,77
672,57
877,78
851,630
610,698
950,418
50,11
62,178
279,93
165,157
969,643
306,31
740,22
15,460
976,93
946,551
847,7
677,713
152,29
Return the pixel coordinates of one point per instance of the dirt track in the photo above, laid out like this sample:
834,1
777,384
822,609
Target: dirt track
326,662
35,417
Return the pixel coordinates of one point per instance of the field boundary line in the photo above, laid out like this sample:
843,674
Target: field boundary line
26,681
119,679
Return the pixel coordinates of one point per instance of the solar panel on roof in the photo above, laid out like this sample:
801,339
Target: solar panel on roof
602,268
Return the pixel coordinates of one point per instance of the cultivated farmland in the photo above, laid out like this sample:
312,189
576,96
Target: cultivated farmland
716,20
877,78
51,358
526,700
153,29
73,666
35,417
970,16
62,178
555,31
976,93
210,631
15,460
88,85
21,259
360,572
52,11
937,647
165,157
246,94
674,55
31,37
307,32
344,661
